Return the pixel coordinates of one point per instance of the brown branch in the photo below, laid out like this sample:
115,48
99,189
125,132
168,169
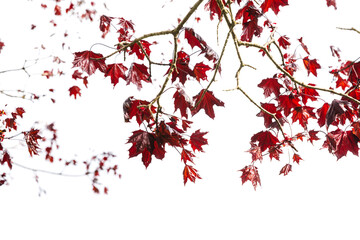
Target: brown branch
349,29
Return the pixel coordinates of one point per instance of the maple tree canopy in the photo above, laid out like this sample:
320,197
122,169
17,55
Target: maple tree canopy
293,109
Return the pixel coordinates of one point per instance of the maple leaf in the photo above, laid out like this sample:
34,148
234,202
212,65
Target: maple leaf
57,10
182,68
187,155
286,169
71,7
335,52
274,152
270,85
138,108
138,73
116,71
284,42
296,158
312,136
354,73
322,112
197,140
250,29
256,153
105,22
6,159
344,141
311,65
265,139
182,102
142,142
302,114
356,129
288,102
20,111
31,138
200,71
48,74
269,121
250,173
86,61
190,173
340,82
206,100
331,3
273,4
195,39
248,12
74,90
309,93
337,108
214,8
304,46
138,51
126,25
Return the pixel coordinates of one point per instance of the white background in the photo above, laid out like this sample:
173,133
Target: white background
319,199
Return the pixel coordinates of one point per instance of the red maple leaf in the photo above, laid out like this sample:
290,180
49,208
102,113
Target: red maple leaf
311,65
270,85
304,46
309,93
138,108
142,142
354,73
322,112
356,129
248,12
57,10
312,136
195,39
339,142
126,25
265,139
138,51
284,42
343,83
337,108
86,61
302,114
250,29
296,158
116,71
20,111
105,22
6,159
71,7
286,169
331,3
206,100
182,102
214,8
197,140
256,153
273,4
269,121
200,71
187,155
182,69
250,173
190,173
31,138
274,152
138,73
74,90
288,102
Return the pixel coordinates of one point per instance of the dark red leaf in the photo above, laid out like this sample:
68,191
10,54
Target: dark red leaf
311,65
331,3
182,102
309,93
86,61
296,158
197,140
126,25
20,111
250,29
312,136
270,85
116,71
187,155
256,153
286,169
284,42
302,114
57,10
336,109
6,159
343,141
138,108
273,4
142,142
71,7
250,173
182,69
105,22
304,46
322,112
265,139
190,173
75,90
214,8
200,71
1,46
138,73
31,138
206,100
288,102
138,51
